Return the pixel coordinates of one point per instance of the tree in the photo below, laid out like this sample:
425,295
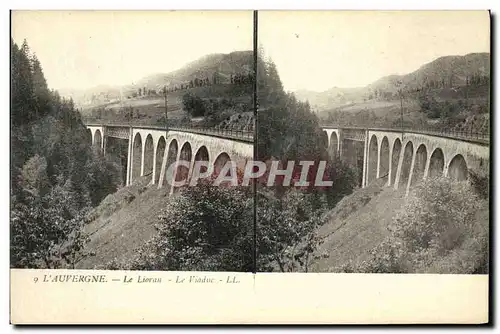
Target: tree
34,179
443,228
45,234
203,228
288,129
194,105
429,105
287,235
40,89
22,92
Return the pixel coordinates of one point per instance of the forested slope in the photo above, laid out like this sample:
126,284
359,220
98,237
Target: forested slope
55,175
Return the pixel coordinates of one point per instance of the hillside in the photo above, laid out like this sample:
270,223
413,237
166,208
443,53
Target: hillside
452,71
122,222
356,225
218,87
125,220
222,64
335,96
205,67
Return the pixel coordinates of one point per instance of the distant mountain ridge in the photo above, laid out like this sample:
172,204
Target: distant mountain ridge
452,69
204,67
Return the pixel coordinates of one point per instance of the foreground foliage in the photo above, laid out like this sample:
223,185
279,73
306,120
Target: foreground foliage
202,228
443,228
212,228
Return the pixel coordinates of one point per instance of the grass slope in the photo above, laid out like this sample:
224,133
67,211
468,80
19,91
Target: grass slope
122,222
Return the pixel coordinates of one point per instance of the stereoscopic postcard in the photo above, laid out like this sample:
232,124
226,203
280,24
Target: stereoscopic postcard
250,167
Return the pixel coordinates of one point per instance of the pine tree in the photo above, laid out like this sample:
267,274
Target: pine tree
40,88
23,98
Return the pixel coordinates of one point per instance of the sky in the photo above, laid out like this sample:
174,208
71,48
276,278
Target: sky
320,50
84,49
312,50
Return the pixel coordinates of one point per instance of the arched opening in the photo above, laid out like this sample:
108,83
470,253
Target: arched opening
396,152
98,139
384,158
219,163
405,168
117,152
334,144
457,169
420,161
173,148
436,164
160,152
88,136
202,155
324,139
148,157
136,157
372,159
186,154
353,155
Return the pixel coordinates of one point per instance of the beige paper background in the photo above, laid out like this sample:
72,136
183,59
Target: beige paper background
262,298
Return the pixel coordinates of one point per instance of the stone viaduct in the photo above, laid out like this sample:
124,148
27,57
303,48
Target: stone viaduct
402,157
152,149
405,157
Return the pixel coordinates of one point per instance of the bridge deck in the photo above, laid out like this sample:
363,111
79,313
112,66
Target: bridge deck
474,137
248,136
245,136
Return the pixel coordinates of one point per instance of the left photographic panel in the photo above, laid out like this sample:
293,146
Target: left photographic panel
128,131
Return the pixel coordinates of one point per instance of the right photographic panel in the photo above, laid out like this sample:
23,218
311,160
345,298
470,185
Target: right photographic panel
373,141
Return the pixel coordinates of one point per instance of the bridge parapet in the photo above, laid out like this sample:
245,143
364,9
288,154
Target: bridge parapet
354,134
118,131
467,135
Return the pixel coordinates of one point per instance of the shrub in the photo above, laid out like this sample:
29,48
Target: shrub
33,178
345,179
441,229
286,232
47,233
193,105
202,228
480,180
